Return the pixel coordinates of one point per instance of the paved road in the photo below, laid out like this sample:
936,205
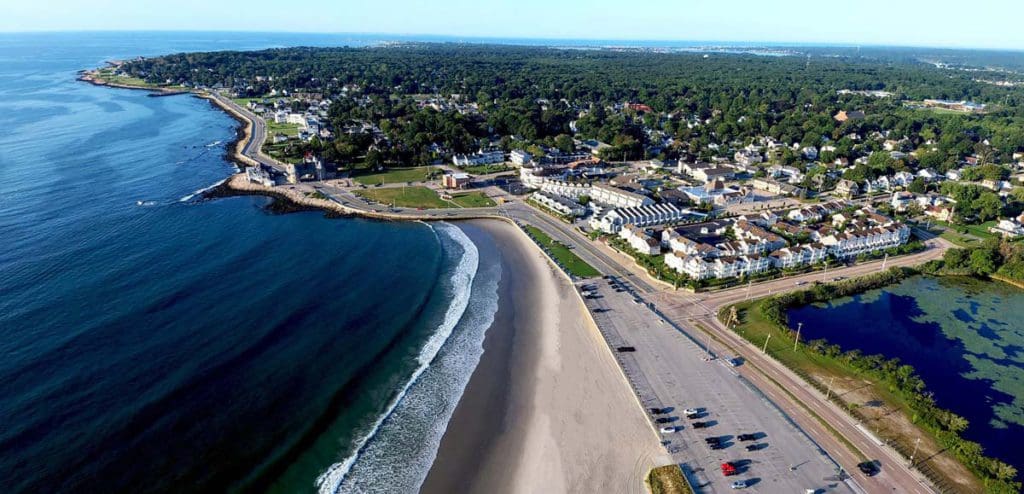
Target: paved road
669,369
253,147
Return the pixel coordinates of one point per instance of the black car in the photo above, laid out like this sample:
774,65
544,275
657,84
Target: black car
712,440
717,446
664,420
868,468
700,425
753,447
656,411
746,437
626,349
692,416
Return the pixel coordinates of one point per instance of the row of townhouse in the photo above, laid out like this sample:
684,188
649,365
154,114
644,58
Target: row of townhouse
559,204
481,157
815,212
640,240
565,189
618,198
800,255
856,241
698,268
643,216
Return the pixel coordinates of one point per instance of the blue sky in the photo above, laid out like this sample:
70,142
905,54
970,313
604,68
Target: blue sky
981,23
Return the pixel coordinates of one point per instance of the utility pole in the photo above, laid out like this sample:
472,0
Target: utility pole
828,393
796,342
765,348
707,347
912,455
825,272
749,283
884,259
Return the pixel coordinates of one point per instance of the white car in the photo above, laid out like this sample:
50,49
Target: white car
801,283
739,484
690,411
668,430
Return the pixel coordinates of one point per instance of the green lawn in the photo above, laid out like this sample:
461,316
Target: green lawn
485,169
407,197
566,257
473,200
288,129
973,235
395,175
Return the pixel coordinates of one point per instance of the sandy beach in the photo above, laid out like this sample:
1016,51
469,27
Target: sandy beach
547,409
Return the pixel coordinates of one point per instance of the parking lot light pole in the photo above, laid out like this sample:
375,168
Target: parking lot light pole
912,455
796,342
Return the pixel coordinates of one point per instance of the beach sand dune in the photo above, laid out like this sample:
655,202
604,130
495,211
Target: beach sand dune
547,410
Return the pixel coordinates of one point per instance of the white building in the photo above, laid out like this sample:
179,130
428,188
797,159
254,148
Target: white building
640,240
854,242
479,158
643,216
619,198
520,157
559,204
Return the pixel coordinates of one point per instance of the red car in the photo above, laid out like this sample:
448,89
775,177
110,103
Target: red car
728,469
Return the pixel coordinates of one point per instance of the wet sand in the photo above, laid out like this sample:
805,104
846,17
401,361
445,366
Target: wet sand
547,409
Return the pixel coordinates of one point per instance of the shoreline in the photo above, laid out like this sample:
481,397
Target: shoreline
533,416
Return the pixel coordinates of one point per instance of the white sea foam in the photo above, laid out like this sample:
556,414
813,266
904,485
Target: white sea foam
398,449
201,191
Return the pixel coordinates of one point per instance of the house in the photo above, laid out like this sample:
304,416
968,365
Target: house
618,197
1010,227
847,188
856,241
929,175
640,240
809,152
901,200
941,213
844,115
902,179
801,255
792,174
258,175
455,180
776,187
559,204
520,157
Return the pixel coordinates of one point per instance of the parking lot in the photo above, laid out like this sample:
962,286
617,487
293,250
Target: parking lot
671,368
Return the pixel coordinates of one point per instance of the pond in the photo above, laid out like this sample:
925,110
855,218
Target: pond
965,338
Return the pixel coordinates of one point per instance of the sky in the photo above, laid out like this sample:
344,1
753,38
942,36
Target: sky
938,23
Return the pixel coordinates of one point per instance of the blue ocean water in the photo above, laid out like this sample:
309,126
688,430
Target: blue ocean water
154,342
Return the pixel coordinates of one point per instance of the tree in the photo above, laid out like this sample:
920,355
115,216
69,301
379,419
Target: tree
984,261
988,206
918,186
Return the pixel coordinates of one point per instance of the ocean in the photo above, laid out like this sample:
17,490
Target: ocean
154,341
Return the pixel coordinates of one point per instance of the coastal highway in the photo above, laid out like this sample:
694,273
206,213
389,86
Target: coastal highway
252,147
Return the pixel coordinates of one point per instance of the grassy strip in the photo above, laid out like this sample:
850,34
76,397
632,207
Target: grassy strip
396,175
562,255
407,197
473,200
668,479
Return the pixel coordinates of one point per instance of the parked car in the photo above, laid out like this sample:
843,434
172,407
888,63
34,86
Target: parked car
693,416
690,411
801,283
665,420
728,468
700,425
739,484
753,447
666,430
746,437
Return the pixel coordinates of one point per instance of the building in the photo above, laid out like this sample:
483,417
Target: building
801,255
455,180
559,204
619,198
643,216
856,241
520,157
901,200
721,267
479,158
776,187
847,188
258,175
1010,227
714,193
640,241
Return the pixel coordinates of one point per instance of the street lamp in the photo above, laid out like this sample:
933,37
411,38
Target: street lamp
796,342
765,348
912,455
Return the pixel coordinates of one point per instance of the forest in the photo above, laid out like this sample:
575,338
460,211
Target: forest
529,95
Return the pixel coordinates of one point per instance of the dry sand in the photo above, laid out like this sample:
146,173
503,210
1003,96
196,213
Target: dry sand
547,409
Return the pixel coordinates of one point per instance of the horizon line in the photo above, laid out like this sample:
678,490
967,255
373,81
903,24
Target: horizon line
605,41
